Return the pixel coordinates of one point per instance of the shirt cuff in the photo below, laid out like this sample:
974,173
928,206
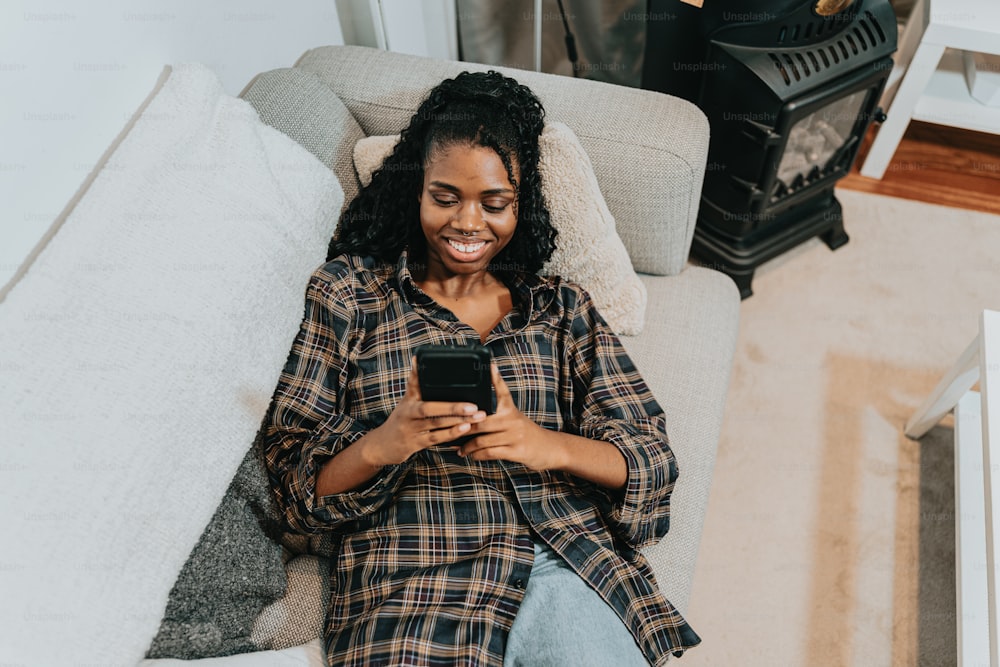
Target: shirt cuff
355,504
649,477
350,505
640,509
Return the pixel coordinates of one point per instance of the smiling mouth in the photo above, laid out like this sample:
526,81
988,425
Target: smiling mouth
467,248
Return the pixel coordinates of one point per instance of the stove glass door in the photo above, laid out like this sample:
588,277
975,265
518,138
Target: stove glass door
815,140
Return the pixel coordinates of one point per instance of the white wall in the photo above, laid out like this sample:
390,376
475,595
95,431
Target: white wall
425,28
418,27
72,74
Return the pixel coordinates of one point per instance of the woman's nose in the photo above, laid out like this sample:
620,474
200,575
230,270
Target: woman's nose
468,218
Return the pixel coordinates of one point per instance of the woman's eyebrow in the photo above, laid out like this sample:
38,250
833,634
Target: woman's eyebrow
492,191
446,186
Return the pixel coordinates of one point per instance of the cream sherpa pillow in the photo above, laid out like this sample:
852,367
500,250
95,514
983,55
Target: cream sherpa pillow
588,250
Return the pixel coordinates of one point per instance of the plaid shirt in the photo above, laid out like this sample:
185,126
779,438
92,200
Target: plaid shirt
434,554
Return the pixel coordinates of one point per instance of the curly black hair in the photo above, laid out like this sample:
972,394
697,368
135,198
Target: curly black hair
477,108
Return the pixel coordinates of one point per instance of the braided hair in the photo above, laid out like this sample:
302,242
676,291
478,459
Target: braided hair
475,108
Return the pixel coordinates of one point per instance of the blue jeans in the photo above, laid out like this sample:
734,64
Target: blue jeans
563,622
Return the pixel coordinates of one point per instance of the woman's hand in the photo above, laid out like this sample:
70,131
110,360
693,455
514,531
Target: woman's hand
510,435
416,424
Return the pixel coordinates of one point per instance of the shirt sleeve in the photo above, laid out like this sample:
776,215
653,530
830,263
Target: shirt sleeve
306,424
611,402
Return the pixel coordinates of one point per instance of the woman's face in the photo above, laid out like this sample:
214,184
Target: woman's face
466,207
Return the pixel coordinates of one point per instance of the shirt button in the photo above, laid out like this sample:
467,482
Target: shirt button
519,583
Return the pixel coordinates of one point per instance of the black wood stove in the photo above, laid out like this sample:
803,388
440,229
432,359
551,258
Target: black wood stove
790,88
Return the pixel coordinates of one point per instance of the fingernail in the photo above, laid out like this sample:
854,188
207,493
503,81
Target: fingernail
469,409
464,427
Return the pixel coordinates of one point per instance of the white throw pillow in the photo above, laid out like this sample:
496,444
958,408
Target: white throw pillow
588,249
138,355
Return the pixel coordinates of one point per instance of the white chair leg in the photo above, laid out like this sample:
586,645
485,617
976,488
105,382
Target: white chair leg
971,598
946,394
919,72
989,390
909,40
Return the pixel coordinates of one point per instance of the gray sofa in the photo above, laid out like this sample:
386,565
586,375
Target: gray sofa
142,339
648,151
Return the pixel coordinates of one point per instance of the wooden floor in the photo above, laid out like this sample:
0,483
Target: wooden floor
939,165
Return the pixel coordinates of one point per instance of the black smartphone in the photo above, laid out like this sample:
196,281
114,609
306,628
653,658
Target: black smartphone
456,373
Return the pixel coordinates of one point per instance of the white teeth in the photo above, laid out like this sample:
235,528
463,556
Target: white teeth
466,247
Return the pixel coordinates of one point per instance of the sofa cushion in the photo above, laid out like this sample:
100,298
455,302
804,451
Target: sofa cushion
685,355
300,614
139,353
588,251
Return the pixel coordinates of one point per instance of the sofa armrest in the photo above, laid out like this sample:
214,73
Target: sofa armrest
298,104
685,354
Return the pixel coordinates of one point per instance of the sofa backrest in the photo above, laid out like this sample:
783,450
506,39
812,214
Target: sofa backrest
648,149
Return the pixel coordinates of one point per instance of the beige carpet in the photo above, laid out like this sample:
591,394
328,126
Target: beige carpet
829,538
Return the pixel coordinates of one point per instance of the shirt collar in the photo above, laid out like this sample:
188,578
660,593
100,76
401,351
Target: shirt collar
530,293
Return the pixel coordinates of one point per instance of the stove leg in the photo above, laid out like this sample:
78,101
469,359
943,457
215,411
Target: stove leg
835,236
742,279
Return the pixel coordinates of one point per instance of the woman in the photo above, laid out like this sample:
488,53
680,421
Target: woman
520,545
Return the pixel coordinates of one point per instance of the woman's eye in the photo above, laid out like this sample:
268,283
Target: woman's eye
444,202
495,208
